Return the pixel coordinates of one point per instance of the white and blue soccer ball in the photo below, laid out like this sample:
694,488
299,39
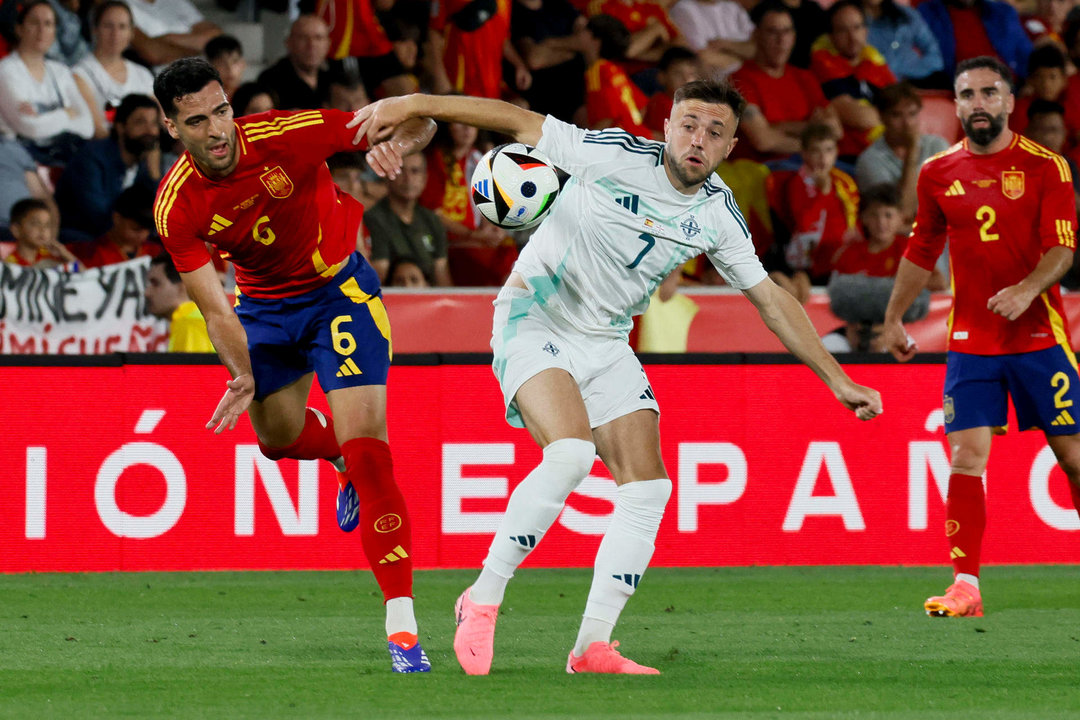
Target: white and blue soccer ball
514,186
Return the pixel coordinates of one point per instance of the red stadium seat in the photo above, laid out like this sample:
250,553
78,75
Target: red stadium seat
939,115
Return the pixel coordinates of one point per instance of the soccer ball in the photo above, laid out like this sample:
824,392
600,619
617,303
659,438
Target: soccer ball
514,186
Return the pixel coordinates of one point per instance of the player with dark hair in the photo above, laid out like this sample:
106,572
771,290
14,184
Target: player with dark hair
1006,206
632,211
308,303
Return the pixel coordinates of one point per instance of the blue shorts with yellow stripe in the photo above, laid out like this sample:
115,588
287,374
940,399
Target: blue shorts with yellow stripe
1044,386
340,331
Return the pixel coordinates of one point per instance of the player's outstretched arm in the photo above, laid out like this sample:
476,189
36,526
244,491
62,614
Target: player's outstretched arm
910,280
784,315
230,341
409,137
378,119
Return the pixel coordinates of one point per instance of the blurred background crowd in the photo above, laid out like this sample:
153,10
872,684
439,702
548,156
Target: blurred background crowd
846,100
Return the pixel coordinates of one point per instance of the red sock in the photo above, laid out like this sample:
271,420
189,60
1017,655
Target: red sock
384,521
316,440
965,510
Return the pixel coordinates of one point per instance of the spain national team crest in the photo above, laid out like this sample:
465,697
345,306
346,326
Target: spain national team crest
1012,183
277,182
949,409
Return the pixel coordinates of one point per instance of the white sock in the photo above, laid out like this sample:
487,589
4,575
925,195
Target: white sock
399,616
972,580
533,507
622,558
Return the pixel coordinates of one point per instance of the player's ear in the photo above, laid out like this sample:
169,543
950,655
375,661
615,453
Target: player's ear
171,127
730,147
667,123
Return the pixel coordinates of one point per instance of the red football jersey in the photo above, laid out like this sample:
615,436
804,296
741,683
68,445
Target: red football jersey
473,60
1000,213
611,95
278,216
855,258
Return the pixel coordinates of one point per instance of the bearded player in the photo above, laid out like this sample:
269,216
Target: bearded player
259,190
1005,205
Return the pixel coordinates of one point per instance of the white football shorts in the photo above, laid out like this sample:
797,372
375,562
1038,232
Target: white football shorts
527,341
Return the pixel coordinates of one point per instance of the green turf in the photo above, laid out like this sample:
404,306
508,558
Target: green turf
731,642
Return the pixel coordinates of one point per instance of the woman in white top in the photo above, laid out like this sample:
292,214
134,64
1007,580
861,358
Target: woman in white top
109,76
40,99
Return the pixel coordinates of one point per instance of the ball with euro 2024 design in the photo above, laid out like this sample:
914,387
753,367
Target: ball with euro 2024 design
514,186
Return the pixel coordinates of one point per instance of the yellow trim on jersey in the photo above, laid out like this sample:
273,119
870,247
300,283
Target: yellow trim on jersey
262,125
279,126
1039,151
943,153
592,77
346,35
183,170
1058,325
1065,233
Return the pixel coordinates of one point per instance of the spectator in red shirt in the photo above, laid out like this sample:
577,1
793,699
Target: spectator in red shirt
36,244
865,266
479,252
129,236
677,67
358,38
611,98
814,213
851,72
473,39
781,99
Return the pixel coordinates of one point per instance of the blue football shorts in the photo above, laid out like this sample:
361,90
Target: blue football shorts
1044,386
340,331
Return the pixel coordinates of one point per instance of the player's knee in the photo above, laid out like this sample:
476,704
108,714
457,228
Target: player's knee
573,456
652,494
274,453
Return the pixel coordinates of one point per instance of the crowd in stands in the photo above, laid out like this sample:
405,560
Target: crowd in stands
840,96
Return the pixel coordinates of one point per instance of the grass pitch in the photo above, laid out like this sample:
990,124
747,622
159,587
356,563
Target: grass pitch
731,642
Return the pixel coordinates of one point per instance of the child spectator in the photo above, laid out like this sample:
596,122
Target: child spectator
1047,80
865,266
677,67
814,212
226,54
1046,126
406,273
36,244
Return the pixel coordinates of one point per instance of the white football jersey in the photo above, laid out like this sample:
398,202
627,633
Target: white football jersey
618,228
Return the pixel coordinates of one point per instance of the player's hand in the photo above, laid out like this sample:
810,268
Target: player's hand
379,119
240,393
897,341
522,78
866,402
386,159
1011,302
